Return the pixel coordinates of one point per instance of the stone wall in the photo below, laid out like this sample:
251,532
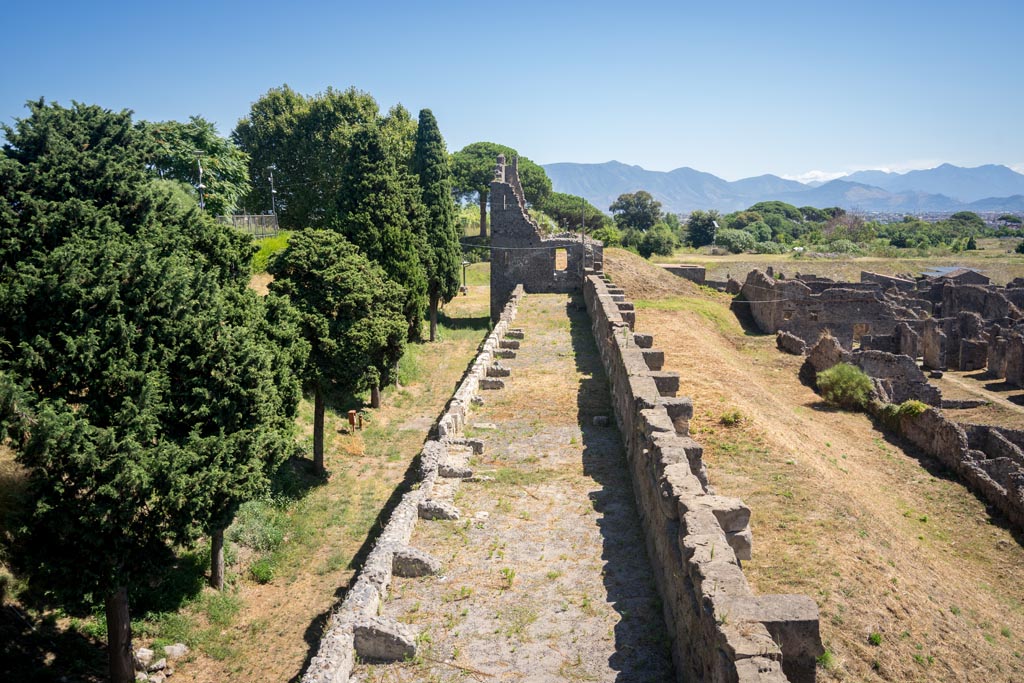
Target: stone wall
354,627
696,274
721,632
522,255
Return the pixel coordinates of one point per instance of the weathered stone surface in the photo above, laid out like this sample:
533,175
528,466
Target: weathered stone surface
176,651
497,370
666,381
731,513
644,341
792,621
158,665
411,562
680,411
504,353
491,383
824,354
759,670
453,471
143,658
515,333
508,344
380,639
655,358
790,343
742,543
436,509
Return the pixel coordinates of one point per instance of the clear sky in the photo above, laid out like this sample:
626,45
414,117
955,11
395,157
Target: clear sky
734,88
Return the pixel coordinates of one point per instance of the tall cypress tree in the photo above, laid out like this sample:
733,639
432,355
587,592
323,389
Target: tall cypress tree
139,381
378,211
444,253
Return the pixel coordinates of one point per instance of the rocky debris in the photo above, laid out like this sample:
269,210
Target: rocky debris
790,343
477,400
158,665
411,562
963,404
143,658
176,651
436,509
826,353
733,286
479,479
381,639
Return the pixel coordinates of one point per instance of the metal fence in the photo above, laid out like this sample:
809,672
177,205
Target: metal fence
257,225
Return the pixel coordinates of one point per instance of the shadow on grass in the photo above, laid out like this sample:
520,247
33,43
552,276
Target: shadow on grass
33,650
641,638
740,307
468,323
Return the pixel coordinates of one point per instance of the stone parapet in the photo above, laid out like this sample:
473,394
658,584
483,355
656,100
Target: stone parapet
720,630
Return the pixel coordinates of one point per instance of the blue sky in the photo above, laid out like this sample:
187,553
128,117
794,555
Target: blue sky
736,89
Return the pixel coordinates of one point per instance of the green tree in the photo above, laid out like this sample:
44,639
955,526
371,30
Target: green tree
444,253
636,210
473,171
351,315
1011,219
700,227
306,140
382,214
736,241
225,167
568,211
659,240
138,380
967,220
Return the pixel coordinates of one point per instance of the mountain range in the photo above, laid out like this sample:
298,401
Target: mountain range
946,188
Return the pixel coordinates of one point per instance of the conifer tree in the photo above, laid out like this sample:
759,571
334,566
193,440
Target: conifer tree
380,211
444,253
351,316
139,381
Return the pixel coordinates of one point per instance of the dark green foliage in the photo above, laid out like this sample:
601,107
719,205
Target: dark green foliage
225,167
351,313
569,211
307,140
443,255
1010,218
778,209
845,385
380,211
143,384
473,171
893,413
968,220
700,228
658,240
636,211
1020,247
610,235
736,241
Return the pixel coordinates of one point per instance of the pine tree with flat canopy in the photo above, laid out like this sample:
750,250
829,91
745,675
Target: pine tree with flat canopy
351,316
140,382
444,253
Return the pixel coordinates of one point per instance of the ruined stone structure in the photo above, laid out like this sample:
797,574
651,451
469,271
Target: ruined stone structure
522,255
806,307
720,630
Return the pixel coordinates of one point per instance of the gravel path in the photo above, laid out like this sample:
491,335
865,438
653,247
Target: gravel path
545,577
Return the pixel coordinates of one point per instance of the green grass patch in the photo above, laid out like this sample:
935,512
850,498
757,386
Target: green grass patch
715,312
268,248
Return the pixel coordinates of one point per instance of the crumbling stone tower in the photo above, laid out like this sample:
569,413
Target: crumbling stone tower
520,254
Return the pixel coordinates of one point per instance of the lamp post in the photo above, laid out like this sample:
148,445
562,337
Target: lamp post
464,289
273,192
199,155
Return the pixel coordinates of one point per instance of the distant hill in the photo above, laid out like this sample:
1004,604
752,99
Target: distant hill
945,188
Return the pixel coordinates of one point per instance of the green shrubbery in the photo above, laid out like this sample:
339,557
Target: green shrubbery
845,385
736,241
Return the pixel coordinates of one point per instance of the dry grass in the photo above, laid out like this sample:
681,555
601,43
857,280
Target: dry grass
881,540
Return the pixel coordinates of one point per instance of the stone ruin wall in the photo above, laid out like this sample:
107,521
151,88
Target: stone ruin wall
354,627
695,539
989,460
522,255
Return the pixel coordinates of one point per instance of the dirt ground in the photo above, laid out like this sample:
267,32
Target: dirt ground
915,578
545,576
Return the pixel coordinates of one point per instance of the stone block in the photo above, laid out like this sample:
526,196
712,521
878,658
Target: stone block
436,509
450,471
497,370
666,381
514,333
793,622
508,344
625,305
655,358
380,639
731,513
629,317
680,411
491,383
760,670
742,543
790,343
644,341
504,353
411,563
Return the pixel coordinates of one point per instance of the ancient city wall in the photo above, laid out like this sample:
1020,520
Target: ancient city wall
522,255
357,613
721,631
